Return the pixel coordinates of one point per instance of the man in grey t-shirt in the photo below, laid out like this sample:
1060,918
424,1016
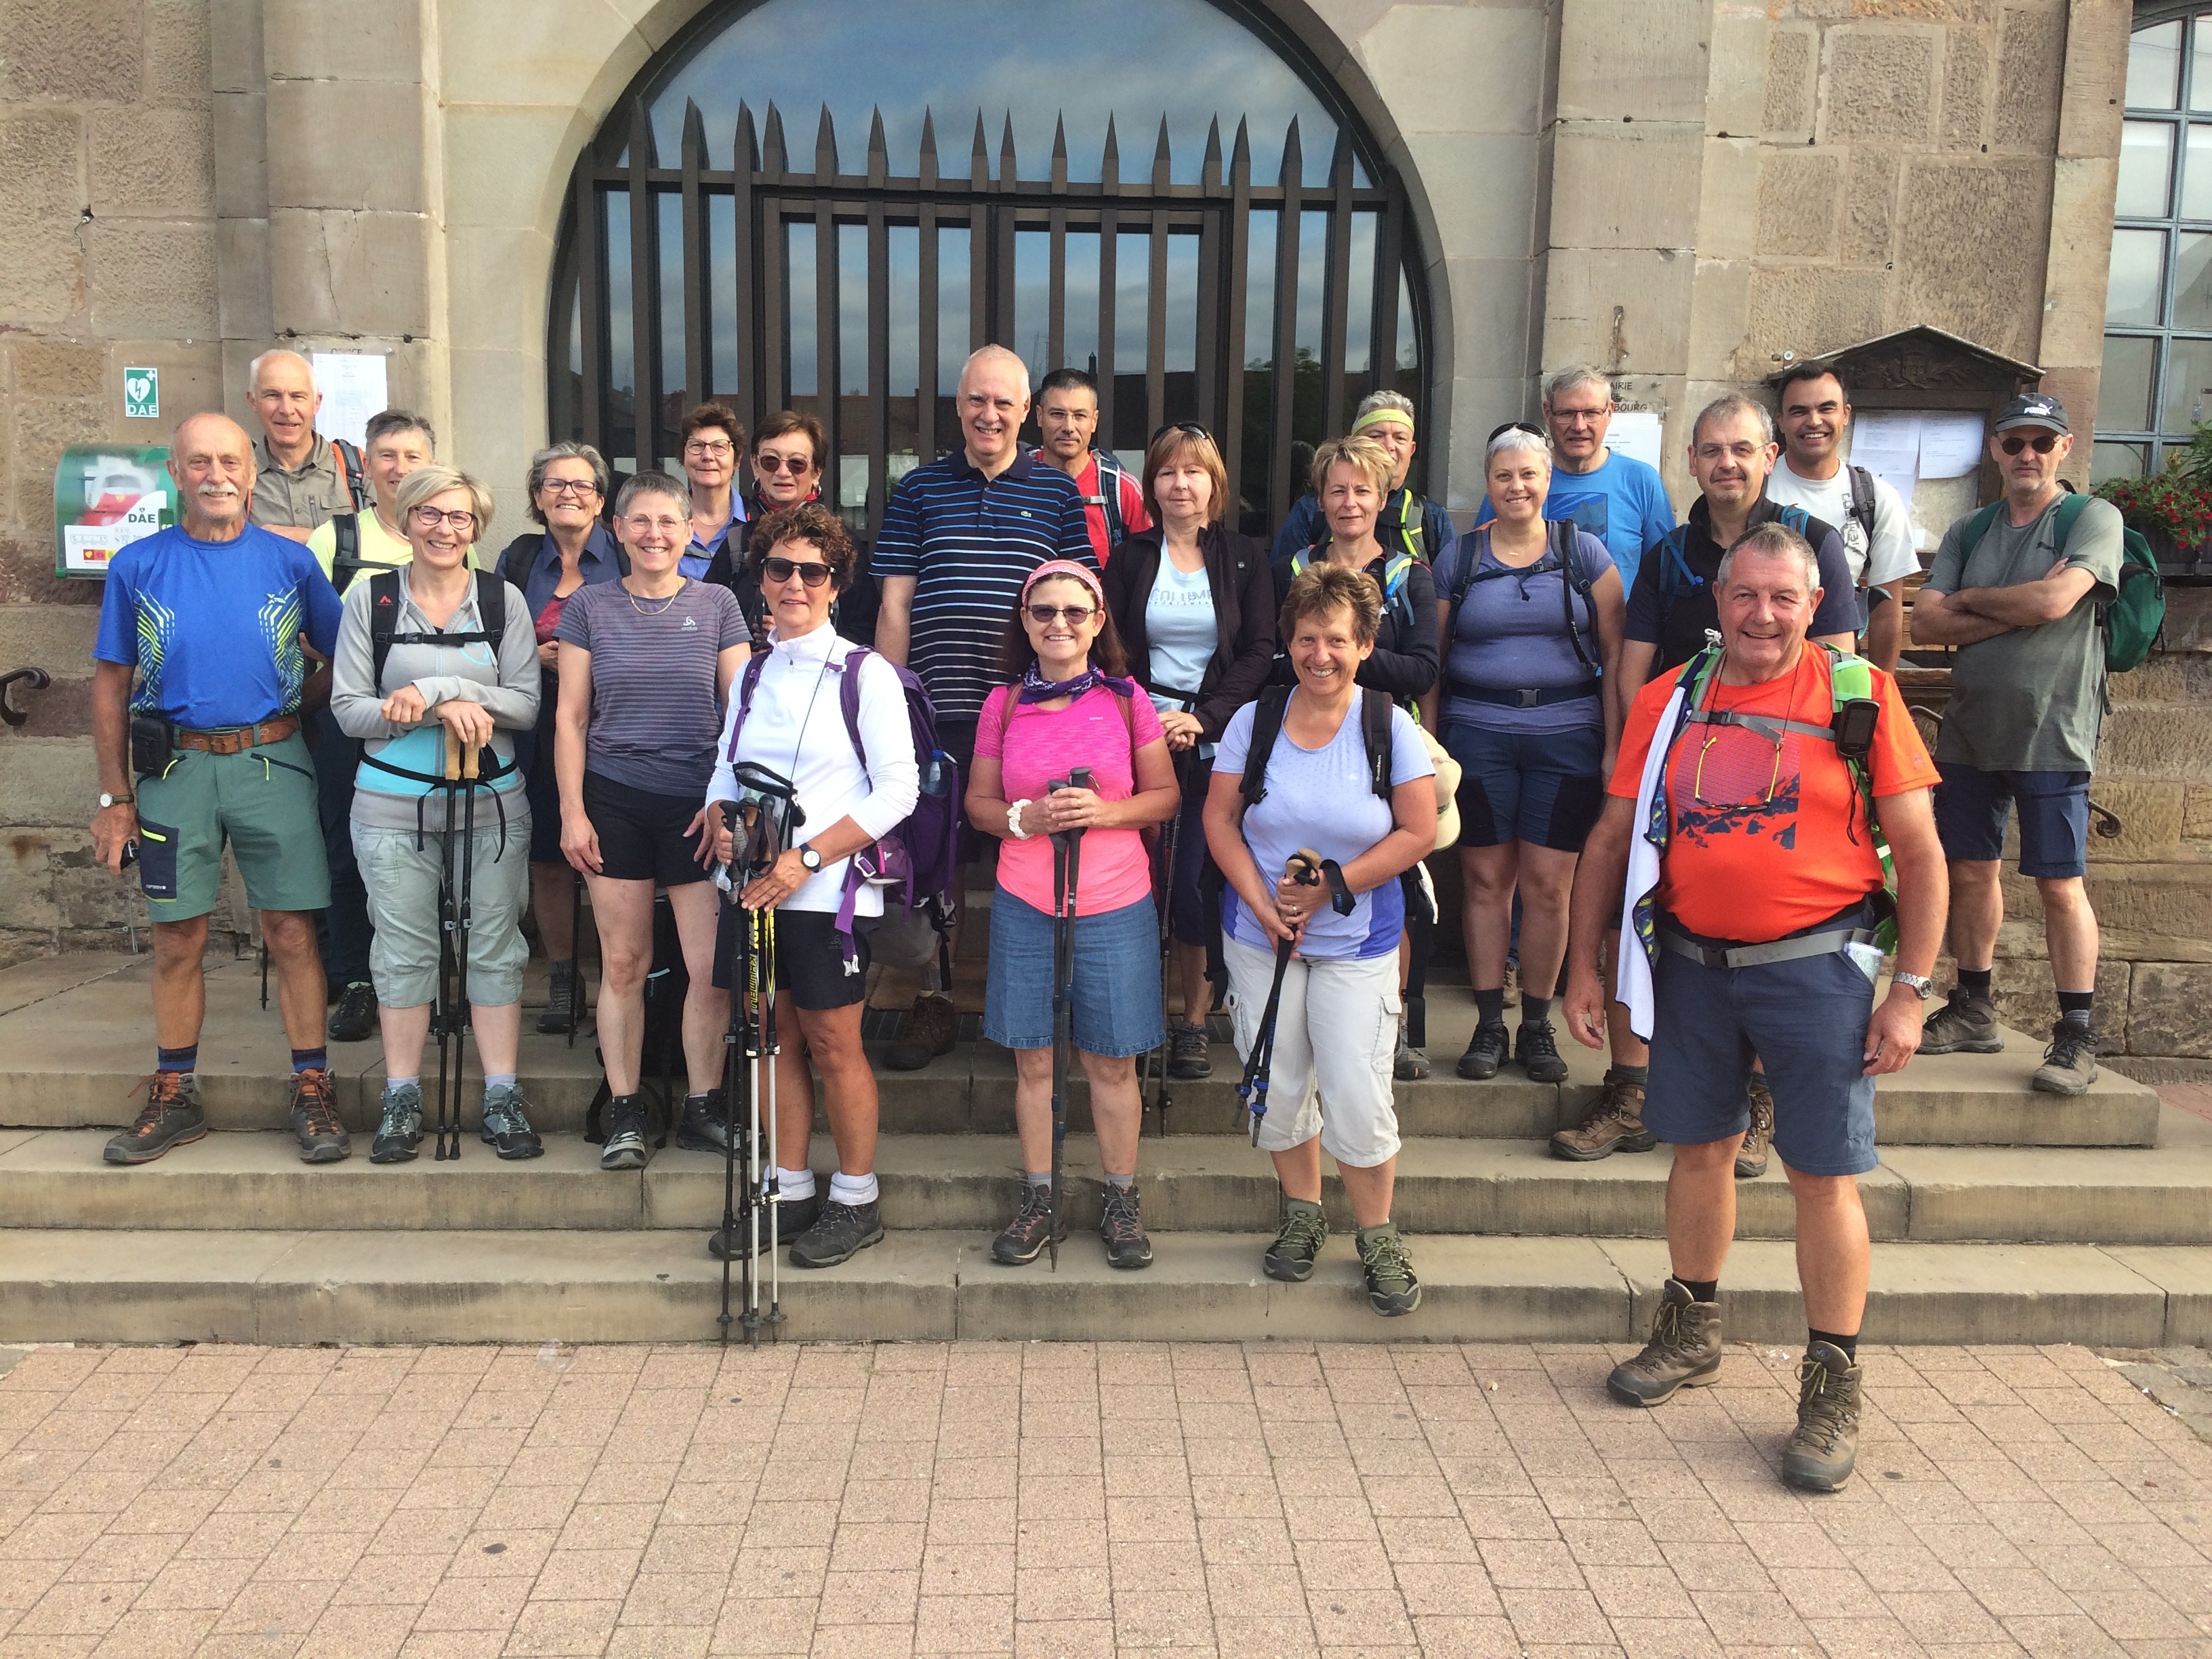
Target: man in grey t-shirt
2027,699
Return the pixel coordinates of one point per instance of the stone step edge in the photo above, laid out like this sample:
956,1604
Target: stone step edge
307,1287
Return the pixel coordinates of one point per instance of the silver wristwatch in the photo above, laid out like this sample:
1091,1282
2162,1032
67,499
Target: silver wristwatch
809,857
1924,987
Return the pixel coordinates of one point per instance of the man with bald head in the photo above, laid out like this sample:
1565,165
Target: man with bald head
301,479
960,536
199,670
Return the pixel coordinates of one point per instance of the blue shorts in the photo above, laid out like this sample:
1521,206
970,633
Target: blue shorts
1805,1021
1117,978
2054,818
1543,787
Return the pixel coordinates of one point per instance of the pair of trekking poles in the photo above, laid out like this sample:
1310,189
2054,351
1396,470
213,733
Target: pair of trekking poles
449,1015
760,822
1309,869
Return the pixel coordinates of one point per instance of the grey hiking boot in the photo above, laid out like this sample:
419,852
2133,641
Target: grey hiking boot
1966,1024
1187,1060
839,1232
1820,1453
1537,1051
1751,1156
1304,1230
624,1148
556,1017
931,1030
1392,1289
315,1123
171,1117
795,1218
1615,1124
1684,1351
1485,1051
506,1128
2069,1063
399,1132
1123,1229
1024,1236
1409,1064
704,1126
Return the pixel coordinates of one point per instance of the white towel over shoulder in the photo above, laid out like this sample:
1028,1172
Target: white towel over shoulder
1631,968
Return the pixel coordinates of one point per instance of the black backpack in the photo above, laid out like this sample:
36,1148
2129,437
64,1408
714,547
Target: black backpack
1374,708
1562,555
384,612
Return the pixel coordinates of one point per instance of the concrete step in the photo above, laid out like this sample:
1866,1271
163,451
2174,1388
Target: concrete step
73,1053
309,1286
1191,1184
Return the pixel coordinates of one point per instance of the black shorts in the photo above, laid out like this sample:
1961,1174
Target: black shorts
533,753
641,834
809,957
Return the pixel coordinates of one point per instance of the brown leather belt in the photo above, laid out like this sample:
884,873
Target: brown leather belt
239,739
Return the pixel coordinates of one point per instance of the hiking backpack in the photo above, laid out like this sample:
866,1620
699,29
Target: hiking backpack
1560,534
1107,501
384,613
2132,620
1397,598
1375,708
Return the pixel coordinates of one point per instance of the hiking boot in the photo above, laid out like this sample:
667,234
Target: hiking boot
1966,1024
399,1132
1615,1124
1025,1234
171,1117
1409,1064
838,1234
931,1030
1819,1454
315,1123
1751,1156
353,1020
1304,1229
1392,1289
554,1018
1537,1051
1123,1229
624,1148
1187,1060
2069,1063
506,1128
795,1218
1485,1051
1684,1351
705,1124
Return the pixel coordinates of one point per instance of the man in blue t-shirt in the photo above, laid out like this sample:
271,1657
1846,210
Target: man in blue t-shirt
1616,498
200,673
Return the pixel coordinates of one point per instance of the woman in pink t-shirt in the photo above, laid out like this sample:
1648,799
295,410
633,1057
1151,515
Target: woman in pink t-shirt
1070,707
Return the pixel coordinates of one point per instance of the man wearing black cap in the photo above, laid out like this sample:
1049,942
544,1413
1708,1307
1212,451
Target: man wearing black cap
2016,587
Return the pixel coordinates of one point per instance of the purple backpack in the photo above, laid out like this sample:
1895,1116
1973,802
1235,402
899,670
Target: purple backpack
916,860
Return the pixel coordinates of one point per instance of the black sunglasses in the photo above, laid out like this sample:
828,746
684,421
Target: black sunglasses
1535,431
2045,442
777,568
1189,429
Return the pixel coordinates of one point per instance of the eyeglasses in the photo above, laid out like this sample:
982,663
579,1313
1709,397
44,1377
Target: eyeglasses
793,465
570,486
702,447
1073,615
1189,429
429,517
777,568
2045,442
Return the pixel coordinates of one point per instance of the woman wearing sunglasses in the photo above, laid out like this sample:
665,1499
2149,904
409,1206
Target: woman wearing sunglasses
429,694
785,459
1194,605
788,716
1070,707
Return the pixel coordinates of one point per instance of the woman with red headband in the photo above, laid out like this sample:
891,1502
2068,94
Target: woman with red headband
1071,706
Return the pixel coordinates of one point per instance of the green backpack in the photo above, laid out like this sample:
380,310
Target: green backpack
2131,622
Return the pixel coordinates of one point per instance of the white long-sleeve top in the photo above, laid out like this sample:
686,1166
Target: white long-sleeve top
795,728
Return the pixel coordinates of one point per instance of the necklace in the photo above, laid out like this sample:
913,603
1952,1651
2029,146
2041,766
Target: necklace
642,610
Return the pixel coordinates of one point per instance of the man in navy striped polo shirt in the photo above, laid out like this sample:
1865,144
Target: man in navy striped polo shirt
959,537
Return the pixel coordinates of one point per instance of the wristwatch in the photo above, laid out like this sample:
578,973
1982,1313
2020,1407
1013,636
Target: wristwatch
1920,984
108,800
810,858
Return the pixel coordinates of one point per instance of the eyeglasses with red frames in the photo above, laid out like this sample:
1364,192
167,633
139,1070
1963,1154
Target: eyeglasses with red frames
2013,443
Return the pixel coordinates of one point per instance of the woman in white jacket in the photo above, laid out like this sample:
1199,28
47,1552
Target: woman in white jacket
786,716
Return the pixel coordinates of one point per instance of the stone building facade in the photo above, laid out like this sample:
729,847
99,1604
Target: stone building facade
1682,191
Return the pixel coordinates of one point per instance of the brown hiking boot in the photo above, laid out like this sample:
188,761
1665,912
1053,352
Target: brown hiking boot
1751,1156
931,1030
1821,1454
2069,1063
1684,1351
1965,1024
1615,1124
315,1118
171,1117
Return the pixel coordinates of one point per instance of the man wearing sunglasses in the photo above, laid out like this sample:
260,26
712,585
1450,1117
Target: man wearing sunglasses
2027,699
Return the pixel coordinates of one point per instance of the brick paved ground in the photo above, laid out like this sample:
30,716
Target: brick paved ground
1073,1500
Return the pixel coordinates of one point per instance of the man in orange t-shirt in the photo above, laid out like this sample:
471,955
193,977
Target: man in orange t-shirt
1747,847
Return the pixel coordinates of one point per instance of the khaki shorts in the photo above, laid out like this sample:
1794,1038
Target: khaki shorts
262,801
1336,1038
401,882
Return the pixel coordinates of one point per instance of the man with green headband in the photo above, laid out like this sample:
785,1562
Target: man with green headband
1409,524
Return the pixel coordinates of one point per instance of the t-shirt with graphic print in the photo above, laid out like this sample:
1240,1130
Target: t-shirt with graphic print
1766,837
214,628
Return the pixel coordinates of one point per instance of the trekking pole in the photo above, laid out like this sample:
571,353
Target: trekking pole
733,1081
1304,867
772,1196
1067,868
441,1010
463,1010
1169,836
575,955
753,1046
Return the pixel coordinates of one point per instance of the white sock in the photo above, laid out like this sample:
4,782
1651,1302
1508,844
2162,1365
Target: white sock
853,1189
794,1183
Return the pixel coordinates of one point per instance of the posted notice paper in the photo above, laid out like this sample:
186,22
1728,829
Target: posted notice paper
353,387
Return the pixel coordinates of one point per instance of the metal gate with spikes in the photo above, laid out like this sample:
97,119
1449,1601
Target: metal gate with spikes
719,266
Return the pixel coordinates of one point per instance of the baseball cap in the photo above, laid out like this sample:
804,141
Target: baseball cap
2034,409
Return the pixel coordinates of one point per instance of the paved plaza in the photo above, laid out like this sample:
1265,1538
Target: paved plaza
1054,1499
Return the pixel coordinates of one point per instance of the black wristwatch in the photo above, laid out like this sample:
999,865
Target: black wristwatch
810,858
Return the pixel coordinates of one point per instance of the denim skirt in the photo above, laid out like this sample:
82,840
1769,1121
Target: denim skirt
1117,981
